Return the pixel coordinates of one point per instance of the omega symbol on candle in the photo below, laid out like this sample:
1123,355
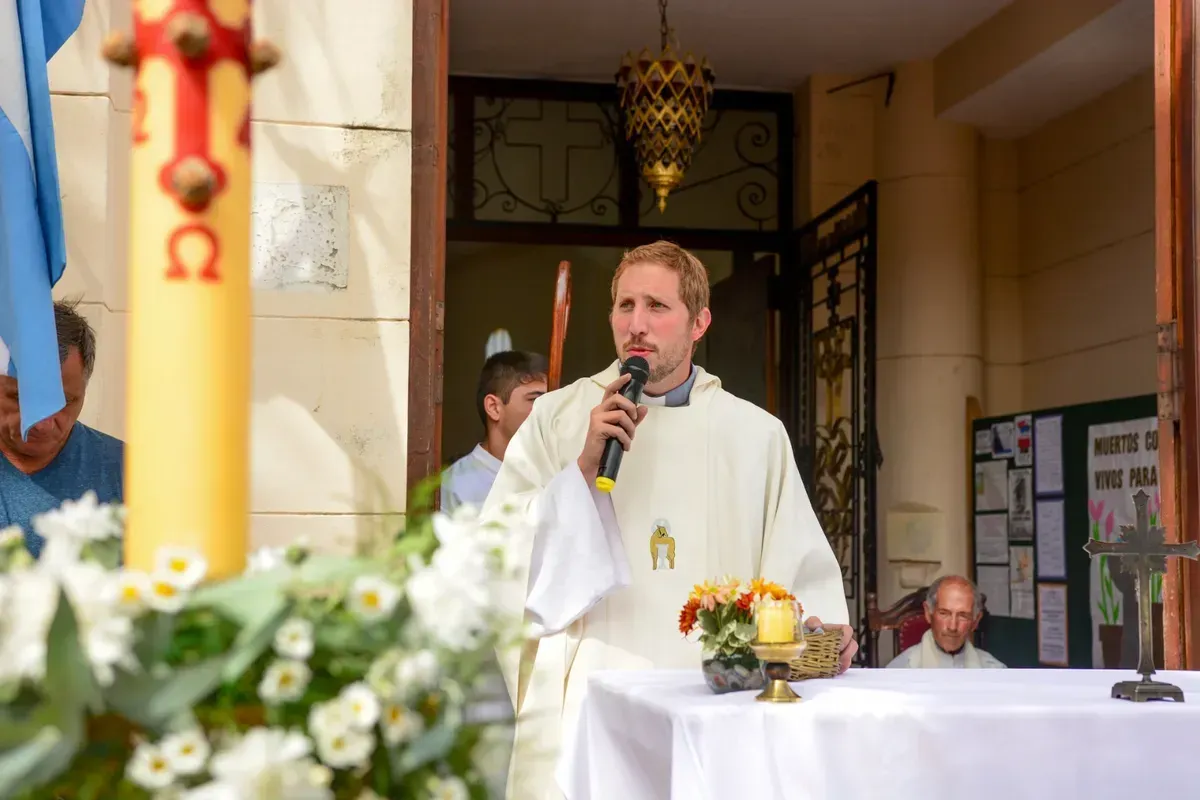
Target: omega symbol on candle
662,546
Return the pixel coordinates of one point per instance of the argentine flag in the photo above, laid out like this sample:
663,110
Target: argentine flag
33,250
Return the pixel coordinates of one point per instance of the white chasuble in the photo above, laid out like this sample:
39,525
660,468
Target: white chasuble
707,489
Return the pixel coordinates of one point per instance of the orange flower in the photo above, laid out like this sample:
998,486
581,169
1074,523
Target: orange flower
765,588
746,601
687,617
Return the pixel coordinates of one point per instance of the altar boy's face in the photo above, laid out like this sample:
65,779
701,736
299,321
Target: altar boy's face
650,319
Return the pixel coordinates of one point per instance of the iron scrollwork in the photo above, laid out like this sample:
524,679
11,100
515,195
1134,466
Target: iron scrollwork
838,402
554,153
745,159
497,192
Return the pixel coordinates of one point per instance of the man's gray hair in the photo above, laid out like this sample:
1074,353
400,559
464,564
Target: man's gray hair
935,587
74,331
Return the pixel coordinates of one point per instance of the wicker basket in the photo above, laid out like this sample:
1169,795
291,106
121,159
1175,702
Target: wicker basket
820,657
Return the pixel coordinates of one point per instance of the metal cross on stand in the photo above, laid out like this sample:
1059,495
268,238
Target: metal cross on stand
1143,551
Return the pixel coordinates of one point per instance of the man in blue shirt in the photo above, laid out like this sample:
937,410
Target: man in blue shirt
62,458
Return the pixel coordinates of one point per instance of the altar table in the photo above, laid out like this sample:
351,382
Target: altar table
899,734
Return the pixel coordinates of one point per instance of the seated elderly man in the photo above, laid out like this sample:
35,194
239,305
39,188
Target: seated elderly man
62,458
953,610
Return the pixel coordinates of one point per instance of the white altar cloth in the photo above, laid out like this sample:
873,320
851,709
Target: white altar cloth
884,735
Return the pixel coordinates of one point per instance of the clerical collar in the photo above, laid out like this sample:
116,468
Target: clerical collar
679,396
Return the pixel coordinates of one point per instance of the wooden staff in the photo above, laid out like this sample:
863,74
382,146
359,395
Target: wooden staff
562,313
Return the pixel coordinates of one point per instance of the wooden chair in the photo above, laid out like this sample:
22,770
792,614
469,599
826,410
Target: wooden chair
906,620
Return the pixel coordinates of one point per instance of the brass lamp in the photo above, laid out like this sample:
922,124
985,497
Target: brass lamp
664,100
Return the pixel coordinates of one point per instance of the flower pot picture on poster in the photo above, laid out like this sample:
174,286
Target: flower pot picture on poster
1020,504
1122,459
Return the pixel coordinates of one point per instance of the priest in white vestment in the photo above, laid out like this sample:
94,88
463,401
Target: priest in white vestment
715,472
953,610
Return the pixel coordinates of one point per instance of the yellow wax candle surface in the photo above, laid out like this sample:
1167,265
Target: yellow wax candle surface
776,623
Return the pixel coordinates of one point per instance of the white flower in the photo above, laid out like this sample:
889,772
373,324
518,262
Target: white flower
346,749
328,719
166,595
448,788
294,639
400,724
105,631
417,673
266,764
150,768
266,559
284,681
372,598
84,519
134,591
185,565
32,599
186,751
341,741
361,704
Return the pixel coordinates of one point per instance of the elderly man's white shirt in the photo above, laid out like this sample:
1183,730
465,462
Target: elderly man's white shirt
927,655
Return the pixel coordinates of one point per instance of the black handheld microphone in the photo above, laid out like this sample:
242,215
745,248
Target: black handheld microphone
639,373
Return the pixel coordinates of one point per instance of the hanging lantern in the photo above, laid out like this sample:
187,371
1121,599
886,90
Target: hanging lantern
664,100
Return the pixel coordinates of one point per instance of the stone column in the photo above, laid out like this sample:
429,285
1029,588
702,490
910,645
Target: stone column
929,325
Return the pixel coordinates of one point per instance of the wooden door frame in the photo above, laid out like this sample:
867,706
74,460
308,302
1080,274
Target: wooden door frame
427,265
1176,315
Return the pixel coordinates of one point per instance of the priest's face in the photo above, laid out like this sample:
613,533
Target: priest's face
650,319
953,620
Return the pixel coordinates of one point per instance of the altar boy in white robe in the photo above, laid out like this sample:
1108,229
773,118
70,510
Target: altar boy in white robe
713,471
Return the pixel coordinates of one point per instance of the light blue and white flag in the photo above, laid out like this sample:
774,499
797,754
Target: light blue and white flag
33,250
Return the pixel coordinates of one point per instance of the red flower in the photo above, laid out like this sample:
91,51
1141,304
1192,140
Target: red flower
687,617
745,601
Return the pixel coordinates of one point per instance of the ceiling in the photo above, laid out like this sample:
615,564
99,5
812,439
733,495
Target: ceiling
752,44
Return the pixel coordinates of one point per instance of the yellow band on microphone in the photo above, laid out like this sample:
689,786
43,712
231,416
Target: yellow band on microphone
605,484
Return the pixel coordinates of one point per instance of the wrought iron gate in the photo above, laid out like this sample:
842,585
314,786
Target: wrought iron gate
830,309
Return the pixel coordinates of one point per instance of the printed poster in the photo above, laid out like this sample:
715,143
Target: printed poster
1052,624
1003,435
983,442
1023,456
1020,582
1047,455
1020,504
1122,459
991,486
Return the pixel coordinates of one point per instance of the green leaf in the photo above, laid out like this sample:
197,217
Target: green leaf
708,622
252,642
154,702
746,631
70,684
157,631
433,745
18,766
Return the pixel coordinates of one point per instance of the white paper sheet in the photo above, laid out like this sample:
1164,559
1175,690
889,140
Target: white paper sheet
1047,454
991,486
983,441
991,538
1051,540
1052,624
1020,589
993,583
1020,504
1003,439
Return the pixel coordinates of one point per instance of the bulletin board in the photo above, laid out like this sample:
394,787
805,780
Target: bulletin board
1036,476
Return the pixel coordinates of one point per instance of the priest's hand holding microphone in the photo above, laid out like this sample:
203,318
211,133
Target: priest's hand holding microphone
613,423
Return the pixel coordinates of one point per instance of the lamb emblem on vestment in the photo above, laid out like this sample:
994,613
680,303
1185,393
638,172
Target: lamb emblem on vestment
662,546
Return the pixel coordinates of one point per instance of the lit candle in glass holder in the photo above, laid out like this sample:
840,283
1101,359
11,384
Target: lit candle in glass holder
776,620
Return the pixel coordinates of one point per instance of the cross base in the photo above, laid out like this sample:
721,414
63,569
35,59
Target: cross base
1146,690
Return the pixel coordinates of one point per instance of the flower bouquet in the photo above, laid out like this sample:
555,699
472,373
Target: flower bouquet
724,614
309,677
